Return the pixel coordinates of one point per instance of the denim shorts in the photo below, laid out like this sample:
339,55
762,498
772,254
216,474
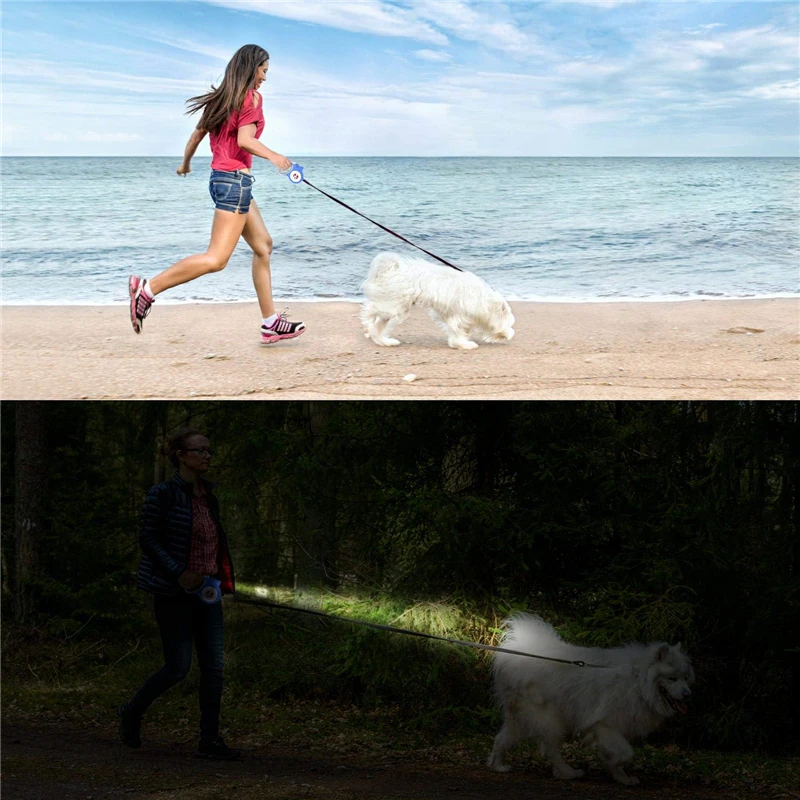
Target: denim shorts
231,191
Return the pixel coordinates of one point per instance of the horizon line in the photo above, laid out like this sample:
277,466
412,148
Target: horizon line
208,158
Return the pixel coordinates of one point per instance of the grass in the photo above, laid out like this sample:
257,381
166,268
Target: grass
319,686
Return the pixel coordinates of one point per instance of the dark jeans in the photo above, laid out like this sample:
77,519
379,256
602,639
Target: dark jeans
181,619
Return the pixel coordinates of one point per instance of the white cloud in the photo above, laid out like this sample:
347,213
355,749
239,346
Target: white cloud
707,48
470,24
81,79
707,80
359,16
589,69
423,20
48,42
99,136
770,67
10,133
187,45
783,90
433,55
727,54
584,115
598,3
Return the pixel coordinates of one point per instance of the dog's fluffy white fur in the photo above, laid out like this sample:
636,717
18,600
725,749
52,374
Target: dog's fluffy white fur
640,686
463,304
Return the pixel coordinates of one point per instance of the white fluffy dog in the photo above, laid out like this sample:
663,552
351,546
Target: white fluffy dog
640,686
463,304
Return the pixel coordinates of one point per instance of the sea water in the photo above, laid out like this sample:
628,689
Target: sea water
550,229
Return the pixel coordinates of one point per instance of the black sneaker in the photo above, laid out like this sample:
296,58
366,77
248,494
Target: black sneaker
217,750
130,727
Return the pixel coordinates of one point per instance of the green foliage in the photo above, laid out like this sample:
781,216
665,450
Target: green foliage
620,615
350,663
614,521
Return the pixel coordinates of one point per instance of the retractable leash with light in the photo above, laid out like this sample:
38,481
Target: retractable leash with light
209,591
239,599
295,175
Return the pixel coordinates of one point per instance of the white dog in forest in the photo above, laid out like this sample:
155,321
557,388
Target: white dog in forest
637,688
463,304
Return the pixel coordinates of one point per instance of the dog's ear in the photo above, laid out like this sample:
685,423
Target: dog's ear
662,652
499,307
678,646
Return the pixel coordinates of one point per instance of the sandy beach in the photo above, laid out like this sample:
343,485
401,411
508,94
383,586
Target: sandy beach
714,349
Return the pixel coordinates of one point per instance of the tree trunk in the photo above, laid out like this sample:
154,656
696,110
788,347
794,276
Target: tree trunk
30,502
791,505
316,545
159,461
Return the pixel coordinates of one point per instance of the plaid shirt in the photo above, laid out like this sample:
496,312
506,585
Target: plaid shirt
203,555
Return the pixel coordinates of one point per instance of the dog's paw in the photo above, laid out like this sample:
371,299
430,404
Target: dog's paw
389,342
622,777
463,344
498,767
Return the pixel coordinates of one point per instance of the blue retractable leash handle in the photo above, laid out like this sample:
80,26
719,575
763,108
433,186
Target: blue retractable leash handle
295,176
209,592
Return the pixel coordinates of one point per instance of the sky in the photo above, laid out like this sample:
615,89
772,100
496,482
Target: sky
410,77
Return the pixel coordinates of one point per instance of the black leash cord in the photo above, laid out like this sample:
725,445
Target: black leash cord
383,227
376,626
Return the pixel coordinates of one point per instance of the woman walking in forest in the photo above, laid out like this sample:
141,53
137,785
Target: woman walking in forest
182,541
233,116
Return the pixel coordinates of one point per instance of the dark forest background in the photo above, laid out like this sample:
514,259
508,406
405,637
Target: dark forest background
616,521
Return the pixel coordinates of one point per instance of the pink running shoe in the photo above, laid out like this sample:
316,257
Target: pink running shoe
140,302
281,329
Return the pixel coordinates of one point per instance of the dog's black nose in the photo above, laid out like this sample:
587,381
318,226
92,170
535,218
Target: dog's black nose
687,693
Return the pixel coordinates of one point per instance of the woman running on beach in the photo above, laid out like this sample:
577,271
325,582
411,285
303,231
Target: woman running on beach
233,115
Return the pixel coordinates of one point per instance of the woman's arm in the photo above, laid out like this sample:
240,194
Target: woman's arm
198,134
247,141
153,523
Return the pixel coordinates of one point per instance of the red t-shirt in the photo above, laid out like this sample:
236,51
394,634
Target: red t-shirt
226,153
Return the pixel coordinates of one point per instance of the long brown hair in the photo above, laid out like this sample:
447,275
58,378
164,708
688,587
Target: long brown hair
240,75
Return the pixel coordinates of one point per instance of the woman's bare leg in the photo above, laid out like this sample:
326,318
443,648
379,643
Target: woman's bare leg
256,235
225,232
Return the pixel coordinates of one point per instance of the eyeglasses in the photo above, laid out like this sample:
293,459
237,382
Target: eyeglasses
201,450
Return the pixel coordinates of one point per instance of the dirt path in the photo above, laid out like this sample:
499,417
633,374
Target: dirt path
61,763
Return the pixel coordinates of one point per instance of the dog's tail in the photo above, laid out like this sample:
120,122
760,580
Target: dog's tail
529,633
382,264
532,634
526,633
